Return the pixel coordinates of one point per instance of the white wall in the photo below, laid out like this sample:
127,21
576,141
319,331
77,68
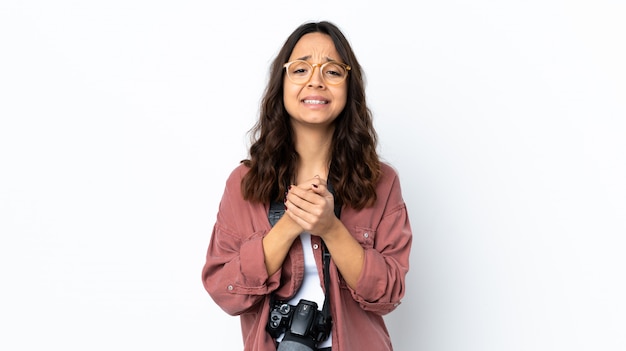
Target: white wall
120,121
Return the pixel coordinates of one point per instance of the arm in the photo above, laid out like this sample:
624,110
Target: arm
234,273
278,241
387,242
381,285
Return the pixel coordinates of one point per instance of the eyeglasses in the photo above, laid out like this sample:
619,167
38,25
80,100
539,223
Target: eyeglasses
300,71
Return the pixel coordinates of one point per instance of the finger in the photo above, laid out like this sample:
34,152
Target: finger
302,199
319,189
317,184
298,215
304,192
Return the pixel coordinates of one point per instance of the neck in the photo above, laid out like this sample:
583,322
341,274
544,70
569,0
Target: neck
314,151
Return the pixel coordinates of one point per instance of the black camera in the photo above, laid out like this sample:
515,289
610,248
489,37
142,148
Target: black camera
304,326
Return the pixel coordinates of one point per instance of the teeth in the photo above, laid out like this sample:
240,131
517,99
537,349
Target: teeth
319,102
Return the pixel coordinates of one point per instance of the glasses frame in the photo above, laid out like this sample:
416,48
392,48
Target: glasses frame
321,68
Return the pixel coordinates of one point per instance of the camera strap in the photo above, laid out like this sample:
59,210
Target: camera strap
276,211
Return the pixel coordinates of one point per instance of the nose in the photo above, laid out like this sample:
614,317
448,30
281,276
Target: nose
316,79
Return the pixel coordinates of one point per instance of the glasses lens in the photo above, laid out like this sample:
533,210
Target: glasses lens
334,73
299,71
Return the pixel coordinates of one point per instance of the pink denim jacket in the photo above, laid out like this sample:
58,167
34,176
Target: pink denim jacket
235,276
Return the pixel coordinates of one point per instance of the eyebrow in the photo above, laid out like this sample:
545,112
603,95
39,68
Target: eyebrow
307,57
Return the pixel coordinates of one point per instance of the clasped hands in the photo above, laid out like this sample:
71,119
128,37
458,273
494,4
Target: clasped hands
311,206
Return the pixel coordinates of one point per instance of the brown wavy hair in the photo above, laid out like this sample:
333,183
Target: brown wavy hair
355,165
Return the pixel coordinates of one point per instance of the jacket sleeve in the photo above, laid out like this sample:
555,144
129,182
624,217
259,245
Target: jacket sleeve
234,273
387,245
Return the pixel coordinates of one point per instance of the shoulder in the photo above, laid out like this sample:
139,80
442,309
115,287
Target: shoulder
389,200
388,188
233,182
238,173
388,174
388,169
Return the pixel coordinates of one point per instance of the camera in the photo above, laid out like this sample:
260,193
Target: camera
304,326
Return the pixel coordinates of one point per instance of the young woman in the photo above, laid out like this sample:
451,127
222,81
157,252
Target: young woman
314,152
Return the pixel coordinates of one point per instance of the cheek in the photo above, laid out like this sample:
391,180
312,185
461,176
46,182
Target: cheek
291,90
342,98
290,98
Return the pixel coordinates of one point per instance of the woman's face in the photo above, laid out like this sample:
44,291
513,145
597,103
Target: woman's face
314,103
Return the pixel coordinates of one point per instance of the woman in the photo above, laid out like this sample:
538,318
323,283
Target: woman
315,153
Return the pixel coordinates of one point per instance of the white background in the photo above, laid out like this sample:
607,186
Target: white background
120,121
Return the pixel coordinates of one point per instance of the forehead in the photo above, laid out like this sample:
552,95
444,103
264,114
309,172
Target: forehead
316,47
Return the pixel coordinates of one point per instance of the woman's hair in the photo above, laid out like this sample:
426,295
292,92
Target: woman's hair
355,165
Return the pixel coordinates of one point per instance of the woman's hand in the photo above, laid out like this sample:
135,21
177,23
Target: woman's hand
312,206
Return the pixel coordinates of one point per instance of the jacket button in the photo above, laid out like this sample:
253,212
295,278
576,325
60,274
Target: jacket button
315,246
366,235
230,288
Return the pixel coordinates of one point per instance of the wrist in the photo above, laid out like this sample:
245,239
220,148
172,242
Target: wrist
334,229
288,226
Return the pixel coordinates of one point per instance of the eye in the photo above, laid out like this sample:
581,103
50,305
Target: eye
334,70
300,68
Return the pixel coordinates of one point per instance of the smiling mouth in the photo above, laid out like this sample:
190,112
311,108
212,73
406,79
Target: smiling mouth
315,102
